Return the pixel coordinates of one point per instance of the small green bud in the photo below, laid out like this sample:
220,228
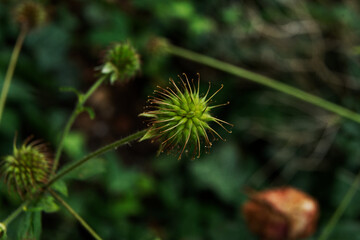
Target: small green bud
30,14
180,118
121,62
28,168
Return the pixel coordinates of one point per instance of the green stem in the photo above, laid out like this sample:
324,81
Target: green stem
15,213
75,165
65,132
266,81
96,153
76,215
71,120
340,210
92,89
11,69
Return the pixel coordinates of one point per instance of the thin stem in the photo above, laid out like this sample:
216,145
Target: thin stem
75,165
341,208
16,213
96,153
63,136
92,89
75,214
266,81
11,68
71,120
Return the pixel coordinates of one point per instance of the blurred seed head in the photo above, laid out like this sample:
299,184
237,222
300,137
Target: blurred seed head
281,214
30,14
180,117
121,62
158,45
28,168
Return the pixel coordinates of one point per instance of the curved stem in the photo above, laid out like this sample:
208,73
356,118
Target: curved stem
266,81
75,165
96,153
15,213
341,209
65,132
71,120
11,69
76,215
92,89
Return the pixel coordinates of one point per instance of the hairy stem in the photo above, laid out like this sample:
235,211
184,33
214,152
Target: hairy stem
11,69
96,153
76,215
341,208
75,165
266,81
71,120
16,213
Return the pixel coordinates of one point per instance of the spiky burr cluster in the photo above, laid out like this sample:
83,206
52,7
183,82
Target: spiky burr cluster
180,117
27,168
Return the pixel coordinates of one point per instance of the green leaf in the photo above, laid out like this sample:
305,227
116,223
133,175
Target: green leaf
149,134
60,187
74,90
71,89
30,225
113,77
89,110
47,204
107,68
3,234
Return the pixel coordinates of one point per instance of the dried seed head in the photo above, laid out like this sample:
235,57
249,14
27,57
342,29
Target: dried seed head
121,62
30,14
180,118
281,214
28,168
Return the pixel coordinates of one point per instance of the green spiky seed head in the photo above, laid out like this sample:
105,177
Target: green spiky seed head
30,14
28,168
121,62
181,117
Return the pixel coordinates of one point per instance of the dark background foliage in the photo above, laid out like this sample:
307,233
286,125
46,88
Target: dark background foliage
131,193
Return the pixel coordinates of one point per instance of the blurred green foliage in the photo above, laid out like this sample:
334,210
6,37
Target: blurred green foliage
133,194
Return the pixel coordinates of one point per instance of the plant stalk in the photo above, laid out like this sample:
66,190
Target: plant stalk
75,165
96,153
15,213
11,68
76,215
266,81
71,120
